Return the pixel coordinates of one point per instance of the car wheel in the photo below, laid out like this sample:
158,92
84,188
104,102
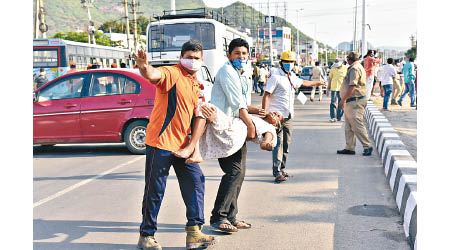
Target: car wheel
135,137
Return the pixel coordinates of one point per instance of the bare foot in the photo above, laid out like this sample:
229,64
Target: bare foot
184,152
267,146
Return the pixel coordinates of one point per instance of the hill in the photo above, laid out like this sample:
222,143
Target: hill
69,15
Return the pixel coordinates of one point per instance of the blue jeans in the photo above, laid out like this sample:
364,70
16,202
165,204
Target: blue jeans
387,95
409,88
255,84
335,111
190,179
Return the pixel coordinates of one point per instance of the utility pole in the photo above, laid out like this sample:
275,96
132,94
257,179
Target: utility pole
354,31
135,35
307,53
172,7
87,4
363,32
127,21
41,26
298,27
270,34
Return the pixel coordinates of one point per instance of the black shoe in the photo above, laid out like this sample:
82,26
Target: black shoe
367,151
399,103
413,105
346,152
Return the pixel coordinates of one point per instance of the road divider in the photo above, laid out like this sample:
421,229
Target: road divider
400,168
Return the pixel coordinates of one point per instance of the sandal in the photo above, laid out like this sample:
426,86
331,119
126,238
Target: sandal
240,224
280,178
225,226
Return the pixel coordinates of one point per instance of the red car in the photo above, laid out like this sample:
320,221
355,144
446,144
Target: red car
103,105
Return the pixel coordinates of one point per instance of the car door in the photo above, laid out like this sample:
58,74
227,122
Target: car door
56,110
106,107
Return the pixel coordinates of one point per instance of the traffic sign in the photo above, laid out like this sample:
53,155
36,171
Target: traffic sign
272,18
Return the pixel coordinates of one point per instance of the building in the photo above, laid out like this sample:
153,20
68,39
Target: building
312,48
281,40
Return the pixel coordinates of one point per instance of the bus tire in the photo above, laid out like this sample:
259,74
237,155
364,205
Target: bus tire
134,137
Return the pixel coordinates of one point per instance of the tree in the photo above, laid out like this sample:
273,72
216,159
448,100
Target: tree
411,53
100,38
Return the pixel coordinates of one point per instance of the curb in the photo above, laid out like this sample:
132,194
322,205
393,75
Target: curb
400,168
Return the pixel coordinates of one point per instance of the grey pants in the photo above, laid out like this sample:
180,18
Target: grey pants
280,152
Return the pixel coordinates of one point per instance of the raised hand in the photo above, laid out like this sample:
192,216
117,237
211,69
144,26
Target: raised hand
141,58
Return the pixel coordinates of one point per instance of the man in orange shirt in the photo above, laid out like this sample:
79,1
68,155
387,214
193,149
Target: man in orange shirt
369,66
177,94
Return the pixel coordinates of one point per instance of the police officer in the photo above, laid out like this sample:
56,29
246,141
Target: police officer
353,101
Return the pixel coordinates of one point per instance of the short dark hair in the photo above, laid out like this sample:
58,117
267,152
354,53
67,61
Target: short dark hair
237,42
191,45
411,59
390,60
317,63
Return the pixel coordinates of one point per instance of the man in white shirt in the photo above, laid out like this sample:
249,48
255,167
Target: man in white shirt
387,79
279,96
263,76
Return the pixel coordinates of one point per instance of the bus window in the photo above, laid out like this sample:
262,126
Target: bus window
175,35
45,58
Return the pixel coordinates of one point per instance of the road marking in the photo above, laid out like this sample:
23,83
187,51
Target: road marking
81,183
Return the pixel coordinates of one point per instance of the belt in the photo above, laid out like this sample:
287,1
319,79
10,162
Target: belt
354,98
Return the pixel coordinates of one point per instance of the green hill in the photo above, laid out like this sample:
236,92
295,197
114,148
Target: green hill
69,15
66,15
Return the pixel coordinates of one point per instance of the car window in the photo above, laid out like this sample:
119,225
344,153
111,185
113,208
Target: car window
66,88
129,86
104,84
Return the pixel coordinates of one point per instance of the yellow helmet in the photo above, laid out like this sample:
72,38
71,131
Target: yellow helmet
287,55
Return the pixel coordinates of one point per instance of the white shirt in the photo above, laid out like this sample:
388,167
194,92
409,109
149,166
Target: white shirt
388,72
226,135
282,92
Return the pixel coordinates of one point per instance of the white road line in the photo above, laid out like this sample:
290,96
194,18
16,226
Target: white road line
81,183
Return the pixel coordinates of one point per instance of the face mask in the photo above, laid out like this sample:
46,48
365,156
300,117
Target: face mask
191,64
240,63
288,66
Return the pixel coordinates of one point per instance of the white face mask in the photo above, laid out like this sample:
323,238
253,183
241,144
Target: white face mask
191,64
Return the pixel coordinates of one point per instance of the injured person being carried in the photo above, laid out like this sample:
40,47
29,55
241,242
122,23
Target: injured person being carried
224,135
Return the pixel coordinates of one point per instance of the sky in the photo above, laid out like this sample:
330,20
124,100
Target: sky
392,22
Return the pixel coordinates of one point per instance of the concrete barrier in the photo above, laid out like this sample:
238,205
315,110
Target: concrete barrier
399,166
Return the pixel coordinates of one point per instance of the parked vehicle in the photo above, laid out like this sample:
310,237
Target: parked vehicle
95,106
306,75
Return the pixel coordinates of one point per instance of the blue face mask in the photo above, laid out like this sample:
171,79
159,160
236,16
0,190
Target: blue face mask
239,63
288,66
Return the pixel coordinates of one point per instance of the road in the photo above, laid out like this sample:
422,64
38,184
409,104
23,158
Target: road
89,196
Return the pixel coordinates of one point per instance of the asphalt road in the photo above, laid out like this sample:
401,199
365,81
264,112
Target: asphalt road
89,196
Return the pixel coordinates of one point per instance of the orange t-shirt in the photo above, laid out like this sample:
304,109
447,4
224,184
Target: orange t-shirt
177,95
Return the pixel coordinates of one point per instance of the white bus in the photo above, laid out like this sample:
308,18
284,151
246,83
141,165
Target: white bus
166,36
54,56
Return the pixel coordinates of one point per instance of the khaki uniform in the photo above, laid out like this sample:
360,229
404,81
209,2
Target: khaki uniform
397,87
317,75
354,110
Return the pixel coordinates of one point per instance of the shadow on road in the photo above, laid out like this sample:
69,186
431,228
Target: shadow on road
61,234
70,151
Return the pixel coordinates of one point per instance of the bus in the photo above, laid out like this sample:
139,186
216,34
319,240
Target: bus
54,56
168,33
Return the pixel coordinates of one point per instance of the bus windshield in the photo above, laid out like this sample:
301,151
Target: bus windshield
170,37
45,58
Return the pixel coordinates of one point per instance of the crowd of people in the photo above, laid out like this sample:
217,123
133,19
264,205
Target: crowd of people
222,127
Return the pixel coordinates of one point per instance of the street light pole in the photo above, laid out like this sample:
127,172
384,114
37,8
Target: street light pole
363,32
270,34
298,26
